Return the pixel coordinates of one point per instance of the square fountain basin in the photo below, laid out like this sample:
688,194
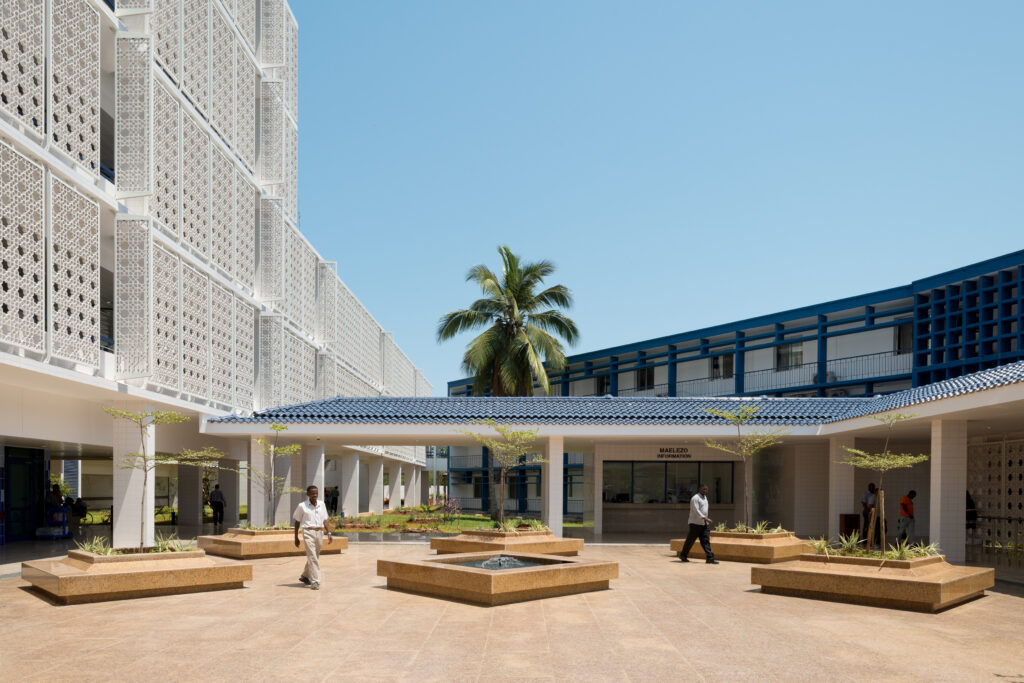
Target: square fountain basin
446,576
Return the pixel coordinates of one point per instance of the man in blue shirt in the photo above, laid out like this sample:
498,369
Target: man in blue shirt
700,526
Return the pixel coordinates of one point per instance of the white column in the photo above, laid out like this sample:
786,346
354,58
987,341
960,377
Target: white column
375,484
412,486
407,477
947,507
297,480
349,499
283,509
394,485
133,493
257,496
842,496
228,480
598,494
364,484
551,481
313,454
424,486
190,497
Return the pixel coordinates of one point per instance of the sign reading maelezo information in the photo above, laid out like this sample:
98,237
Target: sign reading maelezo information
663,452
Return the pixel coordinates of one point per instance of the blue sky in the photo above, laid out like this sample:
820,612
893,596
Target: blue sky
683,163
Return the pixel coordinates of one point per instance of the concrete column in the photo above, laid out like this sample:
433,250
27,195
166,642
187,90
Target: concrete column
394,485
947,507
375,484
297,480
551,482
425,483
228,480
257,495
364,483
283,508
190,497
313,455
407,477
412,486
349,499
133,488
598,495
842,496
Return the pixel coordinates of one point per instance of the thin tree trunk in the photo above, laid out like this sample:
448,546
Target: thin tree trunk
871,526
501,499
881,518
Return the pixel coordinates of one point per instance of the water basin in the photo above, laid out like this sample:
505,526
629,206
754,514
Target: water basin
500,562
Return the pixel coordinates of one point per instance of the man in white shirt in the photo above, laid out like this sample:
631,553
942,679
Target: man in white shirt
700,526
311,517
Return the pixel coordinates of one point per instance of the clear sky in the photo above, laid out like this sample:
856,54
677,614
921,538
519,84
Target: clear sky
684,164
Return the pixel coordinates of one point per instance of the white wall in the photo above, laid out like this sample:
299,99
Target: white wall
862,343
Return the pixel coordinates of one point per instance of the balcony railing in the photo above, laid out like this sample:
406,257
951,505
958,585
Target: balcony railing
469,462
838,371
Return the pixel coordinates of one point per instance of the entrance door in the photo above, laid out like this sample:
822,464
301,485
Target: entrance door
25,492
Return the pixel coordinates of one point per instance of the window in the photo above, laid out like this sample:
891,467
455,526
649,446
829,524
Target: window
644,379
648,482
618,482
721,366
681,481
603,385
789,356
666,482
905,338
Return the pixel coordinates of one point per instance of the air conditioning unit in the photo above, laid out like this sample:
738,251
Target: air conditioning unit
830,377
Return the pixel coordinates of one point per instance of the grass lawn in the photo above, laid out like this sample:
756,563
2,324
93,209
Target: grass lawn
397,523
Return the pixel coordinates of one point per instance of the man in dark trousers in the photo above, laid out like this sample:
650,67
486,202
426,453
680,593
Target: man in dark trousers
217,501
700,526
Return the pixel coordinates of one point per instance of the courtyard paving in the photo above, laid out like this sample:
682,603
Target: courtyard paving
662,620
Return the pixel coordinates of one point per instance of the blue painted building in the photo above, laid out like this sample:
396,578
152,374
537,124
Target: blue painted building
936,328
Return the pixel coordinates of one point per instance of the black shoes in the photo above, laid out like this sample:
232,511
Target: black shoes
304,580
712,562
680,556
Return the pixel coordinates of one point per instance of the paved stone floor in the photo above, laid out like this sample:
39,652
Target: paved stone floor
662,620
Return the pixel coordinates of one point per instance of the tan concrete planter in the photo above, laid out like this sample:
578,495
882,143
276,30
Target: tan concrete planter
442,576
745,547
542,542
926,584
243,544
87,577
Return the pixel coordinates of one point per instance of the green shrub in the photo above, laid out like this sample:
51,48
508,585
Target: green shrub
98,546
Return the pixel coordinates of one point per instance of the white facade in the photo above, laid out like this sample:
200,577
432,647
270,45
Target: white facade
149,223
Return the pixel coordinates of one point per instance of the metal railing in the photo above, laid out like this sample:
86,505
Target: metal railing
466,461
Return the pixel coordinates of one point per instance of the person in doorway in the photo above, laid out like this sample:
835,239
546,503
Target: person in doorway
867,502
334,500
905,525
217,501
311,517
700,527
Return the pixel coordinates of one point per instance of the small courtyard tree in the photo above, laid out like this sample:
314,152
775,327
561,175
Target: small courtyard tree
511,448
271,484
880,463
747,445
146,462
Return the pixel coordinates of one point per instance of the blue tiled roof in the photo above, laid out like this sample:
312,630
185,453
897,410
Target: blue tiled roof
617,410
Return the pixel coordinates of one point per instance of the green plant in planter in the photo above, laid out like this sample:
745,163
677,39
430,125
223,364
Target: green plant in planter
97,546
721,527
509,526
513,449
537,525
821,546
172,544
747,445
880,463
849,545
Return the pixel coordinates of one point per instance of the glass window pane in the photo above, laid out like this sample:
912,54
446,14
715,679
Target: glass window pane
718,477
617,482
681,481
648,482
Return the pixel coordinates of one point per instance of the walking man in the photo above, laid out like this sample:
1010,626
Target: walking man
311,517
217,501
700,526
905,526
867,504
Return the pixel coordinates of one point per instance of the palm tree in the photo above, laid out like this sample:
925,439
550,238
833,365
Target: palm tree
522,327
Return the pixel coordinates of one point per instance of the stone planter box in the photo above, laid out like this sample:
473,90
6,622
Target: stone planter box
926,584
444,577
87,577
541,542
745,547
244,544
